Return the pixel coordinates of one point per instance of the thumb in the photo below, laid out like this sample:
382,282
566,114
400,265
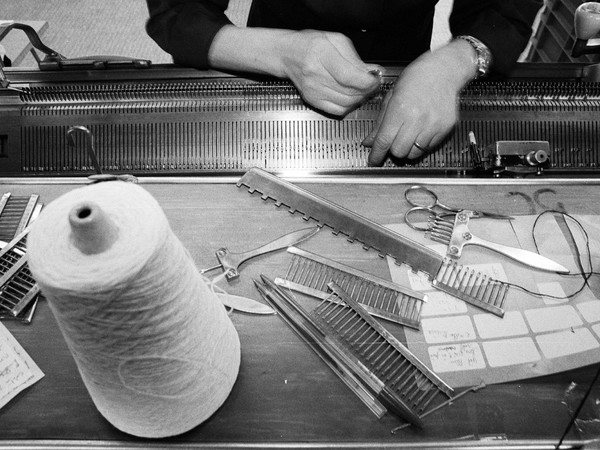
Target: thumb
376,70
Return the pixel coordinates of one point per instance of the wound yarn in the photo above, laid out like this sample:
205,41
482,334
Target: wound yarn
154,346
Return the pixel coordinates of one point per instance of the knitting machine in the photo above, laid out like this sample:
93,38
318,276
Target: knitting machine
167,120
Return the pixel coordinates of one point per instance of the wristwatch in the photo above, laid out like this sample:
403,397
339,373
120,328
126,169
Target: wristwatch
484,55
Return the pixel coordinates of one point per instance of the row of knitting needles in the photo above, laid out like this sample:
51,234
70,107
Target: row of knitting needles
19,292
377,367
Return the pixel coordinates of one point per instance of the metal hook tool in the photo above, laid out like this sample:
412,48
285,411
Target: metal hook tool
89,142
89,139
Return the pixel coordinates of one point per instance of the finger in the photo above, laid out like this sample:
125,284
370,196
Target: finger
369,140
377,70
403,145
353,80
420,147
386,134
425,145
333,102
348,69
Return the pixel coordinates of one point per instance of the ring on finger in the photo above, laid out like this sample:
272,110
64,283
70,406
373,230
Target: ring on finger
422,147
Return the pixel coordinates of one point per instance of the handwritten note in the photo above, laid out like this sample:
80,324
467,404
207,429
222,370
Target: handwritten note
17,370
453,357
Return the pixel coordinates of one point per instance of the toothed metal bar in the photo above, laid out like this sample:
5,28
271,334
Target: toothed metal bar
342,220
472,286
379,297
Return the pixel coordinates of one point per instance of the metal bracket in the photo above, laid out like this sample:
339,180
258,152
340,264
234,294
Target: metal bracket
55,61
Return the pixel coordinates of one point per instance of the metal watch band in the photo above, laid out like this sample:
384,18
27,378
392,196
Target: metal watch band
484,55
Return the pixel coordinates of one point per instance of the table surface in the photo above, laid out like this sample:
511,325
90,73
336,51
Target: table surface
284,394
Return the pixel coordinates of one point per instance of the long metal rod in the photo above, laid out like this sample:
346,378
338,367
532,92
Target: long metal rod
293,177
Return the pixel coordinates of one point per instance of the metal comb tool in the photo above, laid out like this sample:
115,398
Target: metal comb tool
470,286
385,368
18,290
230,262
16,212
310,274
456,235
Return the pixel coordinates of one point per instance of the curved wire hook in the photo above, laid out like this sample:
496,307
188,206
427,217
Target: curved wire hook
89,139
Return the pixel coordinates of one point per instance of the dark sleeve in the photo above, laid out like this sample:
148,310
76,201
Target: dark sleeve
186,28
503,25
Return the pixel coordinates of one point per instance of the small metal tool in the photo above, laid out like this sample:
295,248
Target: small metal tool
244,304
99,176
230,262
456,235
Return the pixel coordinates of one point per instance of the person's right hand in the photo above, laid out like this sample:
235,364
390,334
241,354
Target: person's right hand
327,71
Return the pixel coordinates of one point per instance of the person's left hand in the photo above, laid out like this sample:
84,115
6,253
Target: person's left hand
422,107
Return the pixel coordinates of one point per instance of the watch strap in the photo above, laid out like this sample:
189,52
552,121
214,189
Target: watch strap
483,59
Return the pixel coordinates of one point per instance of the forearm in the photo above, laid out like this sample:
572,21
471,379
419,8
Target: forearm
458,60
256,50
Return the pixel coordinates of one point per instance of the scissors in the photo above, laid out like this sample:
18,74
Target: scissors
424,200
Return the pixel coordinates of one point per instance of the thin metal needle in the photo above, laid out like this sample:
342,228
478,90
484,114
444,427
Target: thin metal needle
211,268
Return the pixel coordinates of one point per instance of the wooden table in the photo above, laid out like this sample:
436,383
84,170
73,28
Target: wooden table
285,395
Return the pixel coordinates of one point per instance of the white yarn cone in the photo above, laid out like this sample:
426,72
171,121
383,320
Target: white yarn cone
153,344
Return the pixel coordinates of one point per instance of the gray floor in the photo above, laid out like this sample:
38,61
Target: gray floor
116,27
88,27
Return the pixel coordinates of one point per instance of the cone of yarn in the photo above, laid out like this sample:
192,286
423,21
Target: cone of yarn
153,344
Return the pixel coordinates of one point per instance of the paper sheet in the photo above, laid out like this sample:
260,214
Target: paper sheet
465,345
17,370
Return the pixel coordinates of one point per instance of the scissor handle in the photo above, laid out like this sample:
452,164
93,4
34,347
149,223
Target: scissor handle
416,209
421,192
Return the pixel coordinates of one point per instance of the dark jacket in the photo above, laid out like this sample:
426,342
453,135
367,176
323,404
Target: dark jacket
381,30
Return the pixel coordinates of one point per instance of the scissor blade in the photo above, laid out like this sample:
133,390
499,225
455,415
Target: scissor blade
244,304
489,215
526,257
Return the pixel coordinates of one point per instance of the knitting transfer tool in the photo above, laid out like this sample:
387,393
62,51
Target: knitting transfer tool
244,304
456,235
310,274
468,285
99,176
230,262
426,201
341,329
17,286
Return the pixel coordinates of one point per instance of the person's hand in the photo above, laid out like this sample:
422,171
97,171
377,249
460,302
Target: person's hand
328,72
422,108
